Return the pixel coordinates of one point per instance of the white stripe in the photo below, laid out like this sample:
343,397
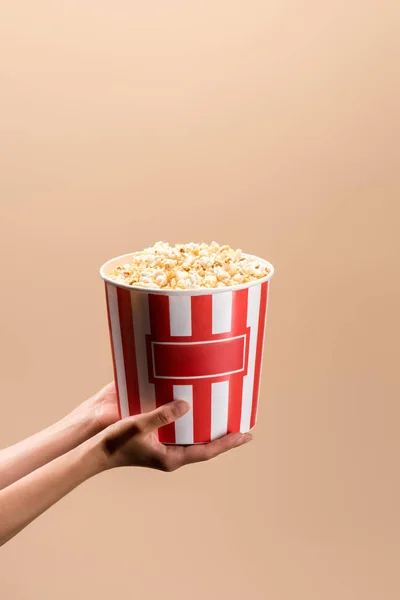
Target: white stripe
141,328
180,315
118,352
253,311
222,312
184,425
219,409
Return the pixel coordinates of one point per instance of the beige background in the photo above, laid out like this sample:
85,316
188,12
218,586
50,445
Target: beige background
272,126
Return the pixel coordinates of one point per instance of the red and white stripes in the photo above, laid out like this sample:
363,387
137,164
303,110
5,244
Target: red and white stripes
205,349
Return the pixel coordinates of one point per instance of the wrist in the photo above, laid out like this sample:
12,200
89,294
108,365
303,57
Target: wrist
92,458
96,450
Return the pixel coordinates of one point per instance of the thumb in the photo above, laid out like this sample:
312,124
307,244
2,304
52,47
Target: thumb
121,431
165,414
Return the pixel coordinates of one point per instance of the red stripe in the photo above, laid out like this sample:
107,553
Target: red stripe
202,410
159,317
160,330
112,349
129,351
208,359
201,318
239,323
201,330
259,351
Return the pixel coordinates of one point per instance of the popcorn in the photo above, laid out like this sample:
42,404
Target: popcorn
189,267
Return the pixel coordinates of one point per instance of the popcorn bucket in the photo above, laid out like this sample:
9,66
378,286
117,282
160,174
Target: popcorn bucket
204,346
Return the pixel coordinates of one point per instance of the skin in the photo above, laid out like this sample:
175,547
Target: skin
37,472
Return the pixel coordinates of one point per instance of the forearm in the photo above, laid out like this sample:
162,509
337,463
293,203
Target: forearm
24,500
32,453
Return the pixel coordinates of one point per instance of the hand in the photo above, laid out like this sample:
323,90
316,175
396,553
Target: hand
134,441
47,466
82,424
101,410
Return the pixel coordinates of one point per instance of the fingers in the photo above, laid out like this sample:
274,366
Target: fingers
168,413
177,456
109,388
201,452
105,391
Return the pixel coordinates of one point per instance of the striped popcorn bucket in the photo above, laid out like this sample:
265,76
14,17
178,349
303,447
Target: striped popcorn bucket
204,346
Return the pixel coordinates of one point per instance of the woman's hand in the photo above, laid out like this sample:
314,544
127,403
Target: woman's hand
84,422
40,470
99,411
129,442
134,441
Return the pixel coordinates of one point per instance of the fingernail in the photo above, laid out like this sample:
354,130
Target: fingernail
182,405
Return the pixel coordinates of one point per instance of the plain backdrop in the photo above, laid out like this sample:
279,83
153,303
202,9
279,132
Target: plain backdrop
270,126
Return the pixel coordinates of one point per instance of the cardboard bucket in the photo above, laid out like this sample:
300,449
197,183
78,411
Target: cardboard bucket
204,346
